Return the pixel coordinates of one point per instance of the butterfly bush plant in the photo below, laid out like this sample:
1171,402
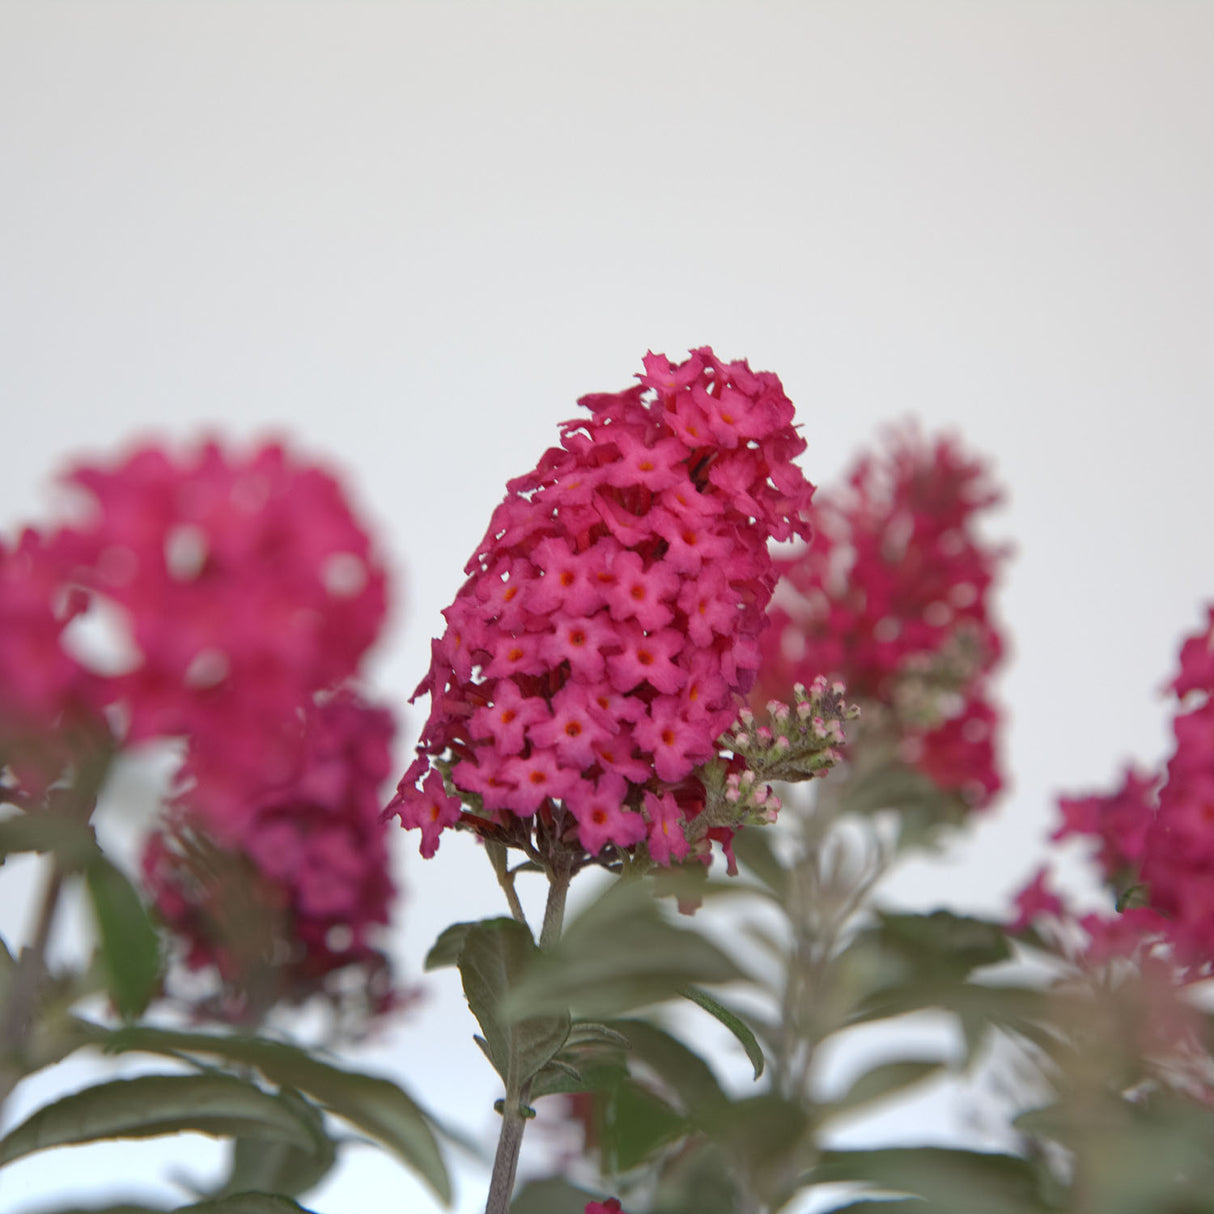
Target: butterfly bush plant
734,704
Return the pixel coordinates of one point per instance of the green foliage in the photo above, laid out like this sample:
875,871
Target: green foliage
947,1181
494,960
280,1167
552,1196
376,1106
881,1082
151,1105
238,1203
733,1022
127,940
59,831
619,954
1150,1154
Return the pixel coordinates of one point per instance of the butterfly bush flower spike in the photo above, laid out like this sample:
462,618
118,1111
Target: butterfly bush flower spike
609,625
892,598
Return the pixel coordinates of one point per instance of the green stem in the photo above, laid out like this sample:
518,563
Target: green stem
518,1092
18,1016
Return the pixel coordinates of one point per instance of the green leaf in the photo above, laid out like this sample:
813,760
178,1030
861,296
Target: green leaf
552,1196
219,1105
66,834
770,1140
130,950
279,1167
733,1022
619,954
591,1032
495,957
240,1203
883,1205
949,944
246,1203
699,1180
635,1125
595,1074
682,1070
1152,1155
446,949
377,1107
949,1181
882,1082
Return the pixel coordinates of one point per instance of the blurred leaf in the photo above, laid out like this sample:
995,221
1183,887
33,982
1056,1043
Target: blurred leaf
279,1167
697,1179
591,1032
882,1205
733,1022
923,806
495,957
150,1105
888,1079
949,1181
245,1203
594,1074
376,1106
446,949
1135,1156
619,954
755,850
682,1070
552,1196
947,943
129,947
635,1124
66,834
977,1006
769,1139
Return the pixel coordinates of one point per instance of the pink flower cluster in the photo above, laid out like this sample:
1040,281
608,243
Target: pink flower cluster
610,618
893,592
242,592
1154,837
1178,854
247,585
313,855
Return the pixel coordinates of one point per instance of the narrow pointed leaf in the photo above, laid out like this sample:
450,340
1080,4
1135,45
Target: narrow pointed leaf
733,1022
246,1203
219,1105
130,950
241,1203
280,1167
888,1079
949,1181
378,1107
619,954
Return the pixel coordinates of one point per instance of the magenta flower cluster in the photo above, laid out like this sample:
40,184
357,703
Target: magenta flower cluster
247,585
315,865
895,589
241,594
610,619
1152,840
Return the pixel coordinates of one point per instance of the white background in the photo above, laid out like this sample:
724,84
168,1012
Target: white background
411,234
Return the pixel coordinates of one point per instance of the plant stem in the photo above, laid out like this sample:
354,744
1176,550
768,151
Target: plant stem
18,1016
518,1092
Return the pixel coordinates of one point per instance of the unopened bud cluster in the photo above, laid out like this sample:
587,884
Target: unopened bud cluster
800,741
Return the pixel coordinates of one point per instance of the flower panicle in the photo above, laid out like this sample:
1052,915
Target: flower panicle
801,740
